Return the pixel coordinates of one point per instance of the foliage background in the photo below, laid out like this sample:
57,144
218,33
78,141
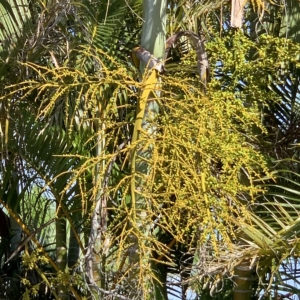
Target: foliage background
216,178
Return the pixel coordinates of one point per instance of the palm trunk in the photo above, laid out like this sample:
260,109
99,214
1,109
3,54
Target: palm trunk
16,237
14,267
95,255
154,28
243,279
73,251
15,228
153,40
61,251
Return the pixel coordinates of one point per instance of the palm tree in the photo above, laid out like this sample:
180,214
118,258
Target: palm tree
277,110
62,27
77,126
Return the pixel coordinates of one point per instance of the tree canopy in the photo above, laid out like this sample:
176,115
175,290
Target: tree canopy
149,149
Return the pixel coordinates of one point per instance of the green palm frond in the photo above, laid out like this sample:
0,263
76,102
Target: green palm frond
14,16
274,239
280,19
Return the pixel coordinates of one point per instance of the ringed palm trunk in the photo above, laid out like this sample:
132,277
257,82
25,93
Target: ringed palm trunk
73,250
153,40
95,255
61,251
243,279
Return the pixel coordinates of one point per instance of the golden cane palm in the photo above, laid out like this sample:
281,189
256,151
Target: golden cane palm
47,50
149,187
277,109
